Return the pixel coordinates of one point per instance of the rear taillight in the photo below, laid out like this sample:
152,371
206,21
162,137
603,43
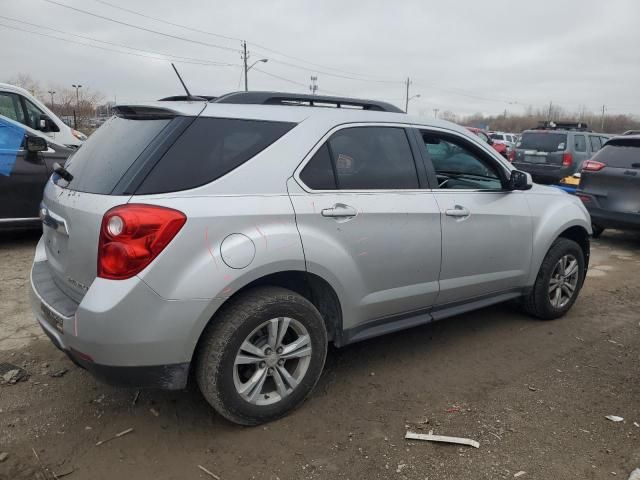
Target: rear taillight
132,235
592,166
512,155
567,159
584,198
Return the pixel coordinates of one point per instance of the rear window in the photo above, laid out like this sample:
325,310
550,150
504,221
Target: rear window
209,149
620,155
497,136
104,158
543,141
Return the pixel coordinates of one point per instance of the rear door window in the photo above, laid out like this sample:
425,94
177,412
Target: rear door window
209,149
318,174
580,143
620,154
543,141
105,157
373,158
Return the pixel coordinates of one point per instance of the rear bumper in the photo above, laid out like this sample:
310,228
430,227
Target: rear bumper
611,219
543,173
121,331
166,377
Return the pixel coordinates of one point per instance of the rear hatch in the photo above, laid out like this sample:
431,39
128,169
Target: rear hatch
616,186
104,170
541,148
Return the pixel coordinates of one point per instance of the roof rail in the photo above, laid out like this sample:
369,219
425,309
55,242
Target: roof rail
184,98
547,125
281,98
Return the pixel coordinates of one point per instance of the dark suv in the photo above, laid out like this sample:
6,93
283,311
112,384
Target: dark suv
554,151
610,185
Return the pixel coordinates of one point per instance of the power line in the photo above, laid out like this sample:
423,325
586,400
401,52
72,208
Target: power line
176,37
199,60
226,37
98,47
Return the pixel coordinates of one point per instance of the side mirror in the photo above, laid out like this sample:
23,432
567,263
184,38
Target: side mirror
45,124
36,144
519,181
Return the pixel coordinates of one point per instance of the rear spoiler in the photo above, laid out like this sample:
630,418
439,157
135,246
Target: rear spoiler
135,112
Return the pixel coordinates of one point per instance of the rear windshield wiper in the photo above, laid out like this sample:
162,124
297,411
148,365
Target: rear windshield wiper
62,172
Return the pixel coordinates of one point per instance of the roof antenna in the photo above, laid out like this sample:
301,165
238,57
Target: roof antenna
189,96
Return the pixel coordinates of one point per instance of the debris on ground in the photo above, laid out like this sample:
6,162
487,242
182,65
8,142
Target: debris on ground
614,418
532,388
636,424
3,456
154,412
211,474
59,373
519,474
117,435
11,374
135,398
441,438
453,409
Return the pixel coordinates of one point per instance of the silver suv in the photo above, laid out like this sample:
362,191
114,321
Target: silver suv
234,239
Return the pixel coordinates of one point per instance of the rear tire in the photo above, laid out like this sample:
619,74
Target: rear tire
559,281
261,355
597,231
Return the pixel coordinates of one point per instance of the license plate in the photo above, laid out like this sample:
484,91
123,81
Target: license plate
535,159
52,318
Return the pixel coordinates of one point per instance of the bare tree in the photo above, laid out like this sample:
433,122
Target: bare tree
24,80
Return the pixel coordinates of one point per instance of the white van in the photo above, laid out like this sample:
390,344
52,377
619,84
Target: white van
19,105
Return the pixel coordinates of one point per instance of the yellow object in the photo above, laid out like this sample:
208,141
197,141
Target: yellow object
570,180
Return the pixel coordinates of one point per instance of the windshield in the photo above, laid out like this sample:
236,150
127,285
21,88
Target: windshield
104,158
543,141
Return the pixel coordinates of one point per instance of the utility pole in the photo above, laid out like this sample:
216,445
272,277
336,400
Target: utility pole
52,93
314,85
406,103
245,57
602,119
435,112
75,119
550,109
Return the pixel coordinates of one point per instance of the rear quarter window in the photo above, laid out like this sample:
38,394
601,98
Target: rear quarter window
209,149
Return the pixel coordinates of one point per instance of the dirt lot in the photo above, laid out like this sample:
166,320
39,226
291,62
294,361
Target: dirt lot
534,394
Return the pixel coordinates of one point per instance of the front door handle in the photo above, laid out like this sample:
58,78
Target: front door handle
458,211
339,210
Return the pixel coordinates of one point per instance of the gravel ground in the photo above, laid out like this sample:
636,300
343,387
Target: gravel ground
534,394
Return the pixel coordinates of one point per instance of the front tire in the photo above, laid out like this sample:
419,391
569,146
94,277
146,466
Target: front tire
597,231
261,355
559,281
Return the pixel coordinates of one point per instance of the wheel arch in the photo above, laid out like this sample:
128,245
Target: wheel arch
310,286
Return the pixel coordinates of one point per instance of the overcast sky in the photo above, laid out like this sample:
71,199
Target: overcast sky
465,56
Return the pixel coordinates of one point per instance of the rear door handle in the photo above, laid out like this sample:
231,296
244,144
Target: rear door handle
339,210
457,211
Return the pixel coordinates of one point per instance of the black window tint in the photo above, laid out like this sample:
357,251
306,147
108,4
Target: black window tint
105,157
620,154
595,143
580,143
209,149
459,165
318,173
373,158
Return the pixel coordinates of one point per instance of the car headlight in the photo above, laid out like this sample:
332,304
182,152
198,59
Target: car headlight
79,135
